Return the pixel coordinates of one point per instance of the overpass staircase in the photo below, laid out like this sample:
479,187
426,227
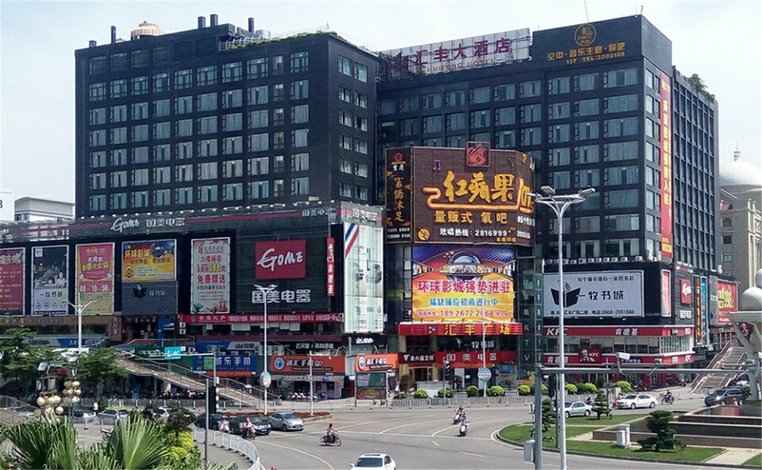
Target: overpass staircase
193,380
730,356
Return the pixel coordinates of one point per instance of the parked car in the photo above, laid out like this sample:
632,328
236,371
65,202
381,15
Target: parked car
161,414
382,461
111,415
724,396
286,422
261,425
214,420
79,412
577,408
637,400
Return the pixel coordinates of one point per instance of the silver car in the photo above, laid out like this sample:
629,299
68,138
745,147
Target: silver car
577,408
286,422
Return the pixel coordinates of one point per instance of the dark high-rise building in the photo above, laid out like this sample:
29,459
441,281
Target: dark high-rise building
220,117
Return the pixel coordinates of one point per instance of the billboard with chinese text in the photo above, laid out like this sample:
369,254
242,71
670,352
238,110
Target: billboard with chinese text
727,301
363,278
280,259
399,202
665,93
458,284
149,261
95,277
12,277
50,280
458,198
210,275
595,294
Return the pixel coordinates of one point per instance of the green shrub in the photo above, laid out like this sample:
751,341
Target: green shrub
444,393
624,385
586,388
524,390
496,391
658,422
421,393
571,389
406,382
544,389
472,391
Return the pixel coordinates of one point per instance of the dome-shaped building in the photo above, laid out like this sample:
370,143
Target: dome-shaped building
740,241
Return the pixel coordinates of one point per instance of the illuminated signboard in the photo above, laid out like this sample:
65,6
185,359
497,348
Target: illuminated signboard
587,46
12,281
95,277
595,294
461,54
665,93
398,196
451,284
210,275
50,280
666,293
698,317
462,200
727,301
363,278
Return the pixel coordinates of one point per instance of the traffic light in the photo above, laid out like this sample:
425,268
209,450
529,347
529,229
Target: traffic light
552,385
447,370
212,399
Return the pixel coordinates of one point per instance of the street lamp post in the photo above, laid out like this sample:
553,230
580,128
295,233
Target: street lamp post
484,352
312,391
559,203
265,373
80,309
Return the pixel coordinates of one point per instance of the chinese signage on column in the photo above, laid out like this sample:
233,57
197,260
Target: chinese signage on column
665,93
210,279
398,196
95,277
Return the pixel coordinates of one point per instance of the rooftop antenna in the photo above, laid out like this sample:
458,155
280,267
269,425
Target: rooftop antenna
587,17
641,9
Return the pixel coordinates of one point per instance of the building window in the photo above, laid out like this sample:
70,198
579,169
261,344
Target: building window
232,122
559,85
184,195
119,62
278,188
279,140
361,146
530,89
409,104
118,157
726,222
591,224
232,145
232,72
345,66
409,127
480,119
345,142
505,116
259,190
98,159
480,95
361,100
207,171
455,121
259,166
505,92
586,107
97,65
258,68
161,130
653,200
278,92
161,108
300,162
140,155
140,85
456,141
140,58
140,177
727,239
259,119
622,247
300,90
620,151
119,200
139,111
617,78
361,72
97,116
161,153
97,138
300,138
207,125
345,190
531,136
277,62
207,193
559,157
161,82
118,135
183,79
561,179
530,113
279,117
431,101
586,130
232,192
345,166
140,199
455,98
184,105
184,173
98,181
207,75
619,199
300,114
432,124
258,95
559,110
232,99
119,179
384,107
727,257
589,178
505,139
558,134
586,82
119,88
300,62
620,104
361,169
620,127
207,148
259,142
300,186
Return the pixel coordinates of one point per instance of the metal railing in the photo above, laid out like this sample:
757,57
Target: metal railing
231,442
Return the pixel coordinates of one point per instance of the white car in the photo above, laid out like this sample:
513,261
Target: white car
382,461
636,400
577,408
286,422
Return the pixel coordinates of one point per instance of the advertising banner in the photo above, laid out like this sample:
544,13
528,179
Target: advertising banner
363,278
210,275
260,318
698,312
50,280
727,301
373,362
473,359
12,263
330,266
665,94
321,365
281,260
595,294
457,199
459,329
399,202
149,261
686,292
461,54
666,293
451,284
95,277
705,306
226,363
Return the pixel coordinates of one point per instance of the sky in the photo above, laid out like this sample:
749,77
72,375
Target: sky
718,39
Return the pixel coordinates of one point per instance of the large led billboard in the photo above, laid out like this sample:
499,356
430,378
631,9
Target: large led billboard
363,278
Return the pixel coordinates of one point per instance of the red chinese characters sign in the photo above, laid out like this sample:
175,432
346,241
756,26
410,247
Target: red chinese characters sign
459,329
686,292
281,260
376,362
259,318
470,360
398,196
12,281
665,93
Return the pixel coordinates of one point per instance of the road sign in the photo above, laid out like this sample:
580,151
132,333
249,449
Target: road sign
484,374
172,352
266,379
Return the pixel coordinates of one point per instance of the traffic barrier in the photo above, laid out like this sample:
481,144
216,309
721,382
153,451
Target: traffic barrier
230,442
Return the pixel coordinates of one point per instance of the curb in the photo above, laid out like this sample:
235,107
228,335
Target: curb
672,462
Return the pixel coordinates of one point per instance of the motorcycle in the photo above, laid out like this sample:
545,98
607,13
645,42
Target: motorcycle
458,418
463,430
332,440
668,399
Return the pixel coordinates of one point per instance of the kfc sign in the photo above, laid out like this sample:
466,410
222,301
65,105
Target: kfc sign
686,292
590,356
281,260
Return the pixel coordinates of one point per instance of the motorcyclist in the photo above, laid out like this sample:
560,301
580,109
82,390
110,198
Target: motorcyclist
459,413
589,400
248,428
465,422
330,433
668,398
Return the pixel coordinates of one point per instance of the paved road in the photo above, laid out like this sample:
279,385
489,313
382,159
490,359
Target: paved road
420,439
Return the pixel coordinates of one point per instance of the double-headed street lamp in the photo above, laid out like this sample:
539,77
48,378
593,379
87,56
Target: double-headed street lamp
560,203
265,378
80,308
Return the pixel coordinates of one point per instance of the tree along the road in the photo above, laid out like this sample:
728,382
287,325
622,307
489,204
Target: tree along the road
658,422
99,365
601,405
19,359
548,419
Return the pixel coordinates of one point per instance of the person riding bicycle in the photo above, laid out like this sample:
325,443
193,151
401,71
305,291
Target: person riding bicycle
330,433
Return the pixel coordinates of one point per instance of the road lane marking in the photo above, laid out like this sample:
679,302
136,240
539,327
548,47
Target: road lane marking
452,426
330,467
435,443
471,453
406,424
416,435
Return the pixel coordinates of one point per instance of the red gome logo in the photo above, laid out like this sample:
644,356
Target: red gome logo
281,260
